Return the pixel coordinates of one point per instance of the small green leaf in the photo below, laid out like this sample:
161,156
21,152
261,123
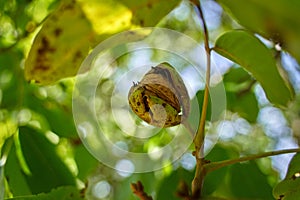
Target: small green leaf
249,52
61,193
47,170
289,187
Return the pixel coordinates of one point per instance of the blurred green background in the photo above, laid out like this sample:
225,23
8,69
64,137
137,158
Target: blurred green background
44,158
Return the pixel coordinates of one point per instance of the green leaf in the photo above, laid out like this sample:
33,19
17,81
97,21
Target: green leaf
249,52
15,176
274,19
11,79
2,186
86,163
61,193
237,76
148,13
122,188
214,179
289,187
60,46
245,104
248,181
58,116
47,170
239,94
169,185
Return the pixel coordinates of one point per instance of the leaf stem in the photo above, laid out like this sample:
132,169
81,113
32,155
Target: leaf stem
5,150
209,167
200,135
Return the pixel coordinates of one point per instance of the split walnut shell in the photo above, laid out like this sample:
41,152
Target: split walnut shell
160,98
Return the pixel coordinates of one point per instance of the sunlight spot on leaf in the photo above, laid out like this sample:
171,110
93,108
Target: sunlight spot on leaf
34,123
5,78
41,93
107,16
278,47
52,137
297,175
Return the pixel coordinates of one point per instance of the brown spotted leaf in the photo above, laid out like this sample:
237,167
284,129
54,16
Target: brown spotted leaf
78,26
60,46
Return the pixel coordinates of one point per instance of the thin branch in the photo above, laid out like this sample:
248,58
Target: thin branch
138,190
200,135
216,165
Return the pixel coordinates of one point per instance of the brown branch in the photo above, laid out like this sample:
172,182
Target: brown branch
200,135
217,165
138,190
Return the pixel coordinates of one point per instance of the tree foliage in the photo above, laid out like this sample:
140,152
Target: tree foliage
254,44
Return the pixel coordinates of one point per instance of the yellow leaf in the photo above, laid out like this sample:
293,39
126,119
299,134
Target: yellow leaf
107,17
60,46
